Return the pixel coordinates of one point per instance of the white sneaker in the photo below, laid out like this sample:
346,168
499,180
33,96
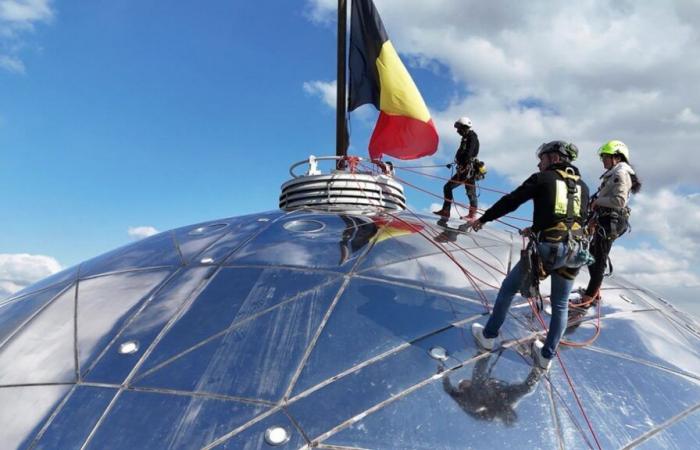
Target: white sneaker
540,361
481,340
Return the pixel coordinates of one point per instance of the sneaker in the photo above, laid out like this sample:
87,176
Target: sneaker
481,340
540,361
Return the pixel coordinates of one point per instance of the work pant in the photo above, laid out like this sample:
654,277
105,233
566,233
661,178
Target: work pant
600,249
559,298
458,179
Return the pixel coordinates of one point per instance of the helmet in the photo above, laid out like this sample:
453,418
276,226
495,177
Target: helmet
615,148
463,122
566,149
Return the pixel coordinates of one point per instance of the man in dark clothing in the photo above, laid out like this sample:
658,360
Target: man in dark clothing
560,200
466,169
487,398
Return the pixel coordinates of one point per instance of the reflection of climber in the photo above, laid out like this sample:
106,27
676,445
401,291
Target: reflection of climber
357,234
486,398
449,234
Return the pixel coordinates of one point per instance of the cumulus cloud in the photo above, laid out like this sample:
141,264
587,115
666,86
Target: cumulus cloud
588,72
17,19
322,11
25,11
672,219
688,116
142,232
325,90
21,269
654,268
583,71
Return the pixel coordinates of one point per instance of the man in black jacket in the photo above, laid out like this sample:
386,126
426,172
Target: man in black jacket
560,200
466,171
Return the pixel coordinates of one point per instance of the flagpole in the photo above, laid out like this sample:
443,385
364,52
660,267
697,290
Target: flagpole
341,136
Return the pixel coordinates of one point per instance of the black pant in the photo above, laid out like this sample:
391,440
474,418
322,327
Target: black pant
606,231
600,249
459,178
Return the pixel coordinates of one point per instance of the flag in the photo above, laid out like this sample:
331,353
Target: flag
404,129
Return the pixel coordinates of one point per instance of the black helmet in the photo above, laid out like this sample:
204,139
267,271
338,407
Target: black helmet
565,149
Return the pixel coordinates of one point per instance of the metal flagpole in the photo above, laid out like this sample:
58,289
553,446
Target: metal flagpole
341,134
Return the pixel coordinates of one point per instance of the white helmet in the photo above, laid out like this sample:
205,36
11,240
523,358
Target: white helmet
463,122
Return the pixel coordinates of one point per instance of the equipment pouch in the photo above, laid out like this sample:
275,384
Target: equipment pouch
578,254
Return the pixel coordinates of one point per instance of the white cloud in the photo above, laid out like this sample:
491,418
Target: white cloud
653,268
326,90
21,269
25,11
323,11
11,64
687,116
17,18
142,232
583,71
671,219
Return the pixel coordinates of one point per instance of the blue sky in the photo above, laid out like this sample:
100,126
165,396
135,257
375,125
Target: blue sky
116,115
156,113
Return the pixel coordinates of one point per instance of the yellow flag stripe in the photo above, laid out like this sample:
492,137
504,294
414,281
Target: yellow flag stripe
398,93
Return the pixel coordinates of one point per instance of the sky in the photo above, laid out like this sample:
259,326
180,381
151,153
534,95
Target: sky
122,119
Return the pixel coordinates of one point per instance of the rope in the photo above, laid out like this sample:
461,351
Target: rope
448,179
419,167
531,300
537,314
457,203
533,305
466,273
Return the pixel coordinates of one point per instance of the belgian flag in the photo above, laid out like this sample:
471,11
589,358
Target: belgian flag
404,129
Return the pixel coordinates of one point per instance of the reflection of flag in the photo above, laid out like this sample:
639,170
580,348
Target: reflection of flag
404,129
391,228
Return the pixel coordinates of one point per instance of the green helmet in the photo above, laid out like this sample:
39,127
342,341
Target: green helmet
566,149
615,148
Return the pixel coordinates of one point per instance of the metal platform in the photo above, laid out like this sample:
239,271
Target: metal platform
349,189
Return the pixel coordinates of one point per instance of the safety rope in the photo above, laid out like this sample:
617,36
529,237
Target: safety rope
531,300
532,303
428,175
403,181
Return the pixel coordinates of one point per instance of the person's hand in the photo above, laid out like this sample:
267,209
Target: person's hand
525,231
477,225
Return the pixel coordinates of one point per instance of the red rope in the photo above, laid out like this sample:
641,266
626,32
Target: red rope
466,273
531,301
447,179
457,203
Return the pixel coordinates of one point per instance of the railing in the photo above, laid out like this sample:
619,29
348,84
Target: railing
346,189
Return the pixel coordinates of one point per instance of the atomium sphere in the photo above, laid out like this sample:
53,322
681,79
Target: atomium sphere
339,331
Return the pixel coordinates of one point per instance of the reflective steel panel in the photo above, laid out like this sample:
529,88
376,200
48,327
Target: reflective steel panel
105,304
155,251
255,359
233,296
253,437
332,331
161,420
371,318
62,278
14,313
496,401
43,350
113,366
24,410
76,418
319,241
